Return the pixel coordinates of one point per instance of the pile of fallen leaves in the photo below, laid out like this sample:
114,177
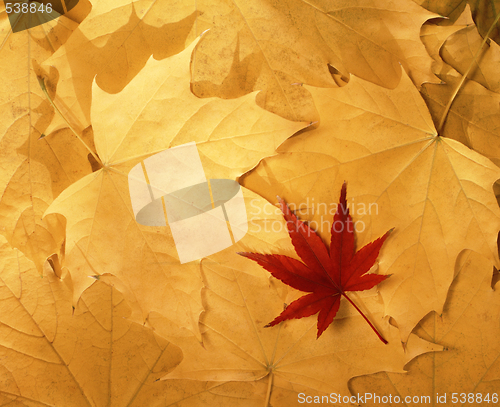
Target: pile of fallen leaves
290,98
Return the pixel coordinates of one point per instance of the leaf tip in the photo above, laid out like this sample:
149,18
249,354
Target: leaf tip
343,195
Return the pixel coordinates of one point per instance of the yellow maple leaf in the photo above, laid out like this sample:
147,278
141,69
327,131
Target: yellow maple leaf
469,330
154,112
269,46
461,108
459,51
52,354
113,44
86,101
473,117
33,170
435,192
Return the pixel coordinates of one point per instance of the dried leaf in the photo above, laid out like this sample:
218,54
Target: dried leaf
473,118
435,192
245,50
326,275
469,330
459,51
52,354
112,45
154,112
33,171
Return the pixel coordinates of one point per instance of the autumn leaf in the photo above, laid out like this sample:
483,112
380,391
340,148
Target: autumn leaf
484,12
326,275
154,112
469,330
33,170
473,117
270,46
449,8
460,49
52,354
434,191
466,109
112,45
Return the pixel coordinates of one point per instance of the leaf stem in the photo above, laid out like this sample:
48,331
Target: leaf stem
41,81
464,77
366,319
269,387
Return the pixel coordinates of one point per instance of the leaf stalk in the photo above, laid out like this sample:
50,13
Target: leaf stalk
366,319
269,387
464,76
41,81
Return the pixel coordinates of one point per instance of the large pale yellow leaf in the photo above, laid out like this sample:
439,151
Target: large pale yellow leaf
52,354
434,191
270,46
113,44
240,299
154,112
469,330
33,171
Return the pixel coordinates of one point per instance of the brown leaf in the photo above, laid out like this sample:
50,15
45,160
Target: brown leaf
52,354
473,118
262,45
154,112
459,51
469,330
112,45
449,8
434,191
33,170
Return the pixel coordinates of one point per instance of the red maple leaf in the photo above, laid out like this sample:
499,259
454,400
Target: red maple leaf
326,275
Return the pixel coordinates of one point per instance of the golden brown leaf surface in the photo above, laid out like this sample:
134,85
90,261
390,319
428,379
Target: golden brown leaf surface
484,13
157,112
435,192
469,330
112,45
459,51
473,115
54,354
33,170
267,45
449,8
